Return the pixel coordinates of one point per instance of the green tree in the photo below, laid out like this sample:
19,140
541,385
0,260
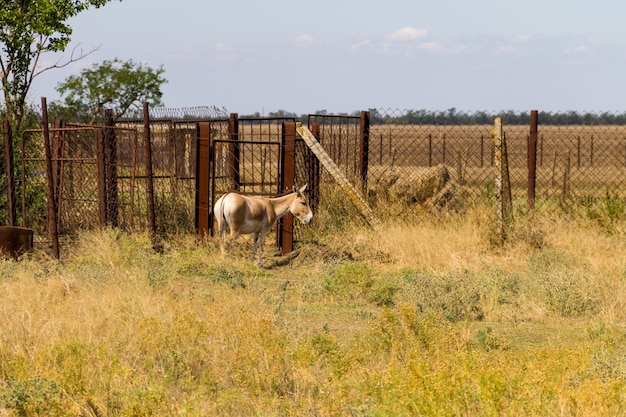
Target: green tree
28,29
120,85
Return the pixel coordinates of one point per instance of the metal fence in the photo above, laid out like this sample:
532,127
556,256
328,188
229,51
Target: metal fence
142,172
255,156
574,163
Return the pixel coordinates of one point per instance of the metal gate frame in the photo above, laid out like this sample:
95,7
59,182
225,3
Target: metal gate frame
224,165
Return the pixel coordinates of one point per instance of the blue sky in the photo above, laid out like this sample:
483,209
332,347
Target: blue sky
344,55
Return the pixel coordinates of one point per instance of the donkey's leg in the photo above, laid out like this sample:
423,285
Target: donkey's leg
222,232
229,242
260,243
255,244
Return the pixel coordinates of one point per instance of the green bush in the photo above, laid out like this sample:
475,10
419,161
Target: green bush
457,295
561,281
33,397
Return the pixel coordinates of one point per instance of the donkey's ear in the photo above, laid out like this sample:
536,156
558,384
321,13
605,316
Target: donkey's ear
295,190
303,189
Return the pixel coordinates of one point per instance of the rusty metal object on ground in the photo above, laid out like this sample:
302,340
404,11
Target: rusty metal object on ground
15,241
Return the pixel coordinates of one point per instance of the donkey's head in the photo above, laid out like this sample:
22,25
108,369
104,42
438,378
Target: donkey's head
300,206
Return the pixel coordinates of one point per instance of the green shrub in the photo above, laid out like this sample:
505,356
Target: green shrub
33,397
571,295
457,295
382,292
560,280
348,280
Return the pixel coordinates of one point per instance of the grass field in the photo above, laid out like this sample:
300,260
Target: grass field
426,318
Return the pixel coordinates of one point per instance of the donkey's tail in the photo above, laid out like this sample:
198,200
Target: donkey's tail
220,216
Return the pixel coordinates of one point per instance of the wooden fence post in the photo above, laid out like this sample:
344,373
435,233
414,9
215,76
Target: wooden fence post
496,136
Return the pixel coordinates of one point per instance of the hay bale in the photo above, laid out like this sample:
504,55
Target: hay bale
421,185
429,186
379,188
447,197
386,180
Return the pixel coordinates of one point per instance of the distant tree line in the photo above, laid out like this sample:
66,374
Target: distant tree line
454,117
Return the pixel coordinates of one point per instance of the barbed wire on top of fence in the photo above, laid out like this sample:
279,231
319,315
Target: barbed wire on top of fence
180,114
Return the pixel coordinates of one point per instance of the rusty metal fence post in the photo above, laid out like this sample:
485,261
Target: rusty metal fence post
204,214
56,143
288,176
314,167
364,148
506,185
234,151
9,170
53,231
149,178
100,164
110,169
532,159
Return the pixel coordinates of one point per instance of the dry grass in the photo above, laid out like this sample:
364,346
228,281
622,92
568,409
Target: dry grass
427,317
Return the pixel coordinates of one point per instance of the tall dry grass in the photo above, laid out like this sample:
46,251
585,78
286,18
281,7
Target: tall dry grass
426,317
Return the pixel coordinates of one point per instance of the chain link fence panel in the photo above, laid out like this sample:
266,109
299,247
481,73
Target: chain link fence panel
583,164
579,166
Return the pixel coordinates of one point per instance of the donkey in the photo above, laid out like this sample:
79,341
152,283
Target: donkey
253,214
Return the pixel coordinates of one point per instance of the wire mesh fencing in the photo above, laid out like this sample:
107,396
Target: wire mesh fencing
102,175
89,189
575,163
579,162
401,156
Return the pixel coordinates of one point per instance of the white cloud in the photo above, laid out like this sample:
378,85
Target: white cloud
184,48
304,41
509,49
431,46
577,49
360,45
384,48
407,33
523,38
224,49
184,51
465,49
225,53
